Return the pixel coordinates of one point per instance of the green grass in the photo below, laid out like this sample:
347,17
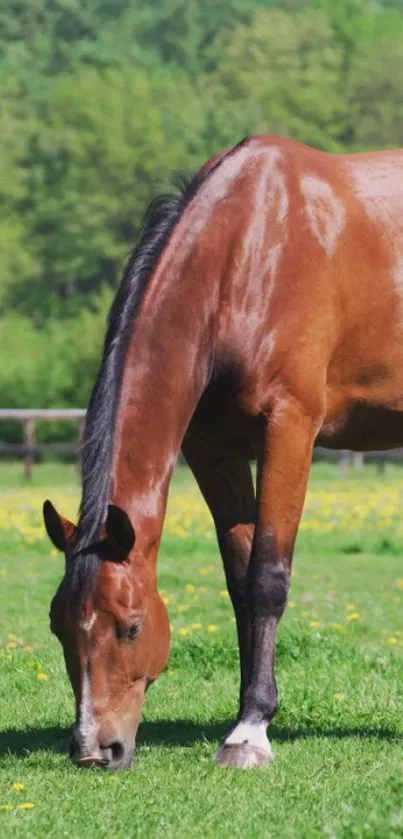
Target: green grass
337,737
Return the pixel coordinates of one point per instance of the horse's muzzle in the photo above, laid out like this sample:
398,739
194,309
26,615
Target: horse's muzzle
113,756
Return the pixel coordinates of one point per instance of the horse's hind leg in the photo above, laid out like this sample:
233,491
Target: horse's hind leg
282,479
227,486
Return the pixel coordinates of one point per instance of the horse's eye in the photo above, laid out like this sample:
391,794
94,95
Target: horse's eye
132,632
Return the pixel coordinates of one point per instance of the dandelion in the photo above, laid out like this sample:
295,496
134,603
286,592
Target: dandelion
190,588
18,786
392,640
224,593
400,583
184,631
353,616
6,807
339,627
43,677
26,805
314,624
212,627
196,626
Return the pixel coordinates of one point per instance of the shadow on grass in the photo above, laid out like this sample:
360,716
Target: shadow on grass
186,733
22,743
18,743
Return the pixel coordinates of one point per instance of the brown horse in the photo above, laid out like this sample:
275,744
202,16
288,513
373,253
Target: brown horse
261,314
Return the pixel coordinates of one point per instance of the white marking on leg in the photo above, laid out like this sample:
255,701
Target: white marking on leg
252,735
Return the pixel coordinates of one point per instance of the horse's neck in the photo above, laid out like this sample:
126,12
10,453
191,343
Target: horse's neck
165,373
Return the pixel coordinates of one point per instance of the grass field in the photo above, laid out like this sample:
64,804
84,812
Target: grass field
338,735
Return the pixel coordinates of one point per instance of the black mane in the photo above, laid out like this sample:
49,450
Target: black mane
159,221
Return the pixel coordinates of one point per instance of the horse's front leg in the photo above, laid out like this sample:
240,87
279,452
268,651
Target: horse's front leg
282,479
227,486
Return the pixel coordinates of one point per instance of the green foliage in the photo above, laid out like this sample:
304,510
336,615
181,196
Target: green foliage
55,365
102,100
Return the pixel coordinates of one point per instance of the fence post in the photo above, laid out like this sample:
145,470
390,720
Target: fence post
358,460
344,464
30,446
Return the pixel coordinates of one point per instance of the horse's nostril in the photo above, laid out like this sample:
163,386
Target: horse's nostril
115,751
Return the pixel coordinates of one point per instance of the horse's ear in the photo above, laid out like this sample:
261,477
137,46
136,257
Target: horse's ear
60,531
119,531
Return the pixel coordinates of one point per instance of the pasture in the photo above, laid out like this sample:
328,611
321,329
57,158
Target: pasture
338,735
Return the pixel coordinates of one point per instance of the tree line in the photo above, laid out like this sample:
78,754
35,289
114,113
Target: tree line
102,99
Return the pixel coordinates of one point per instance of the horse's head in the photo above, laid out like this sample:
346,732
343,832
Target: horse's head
114,630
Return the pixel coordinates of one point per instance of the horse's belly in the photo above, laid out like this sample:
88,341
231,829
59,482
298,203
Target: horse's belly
364,427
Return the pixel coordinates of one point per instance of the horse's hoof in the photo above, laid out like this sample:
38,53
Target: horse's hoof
243,756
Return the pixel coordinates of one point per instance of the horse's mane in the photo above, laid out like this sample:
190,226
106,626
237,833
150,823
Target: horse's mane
161,217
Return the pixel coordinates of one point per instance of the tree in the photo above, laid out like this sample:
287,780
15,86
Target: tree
97,145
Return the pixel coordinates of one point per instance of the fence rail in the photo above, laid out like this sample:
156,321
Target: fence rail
30,447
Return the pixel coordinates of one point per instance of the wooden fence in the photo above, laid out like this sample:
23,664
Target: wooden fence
30,447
